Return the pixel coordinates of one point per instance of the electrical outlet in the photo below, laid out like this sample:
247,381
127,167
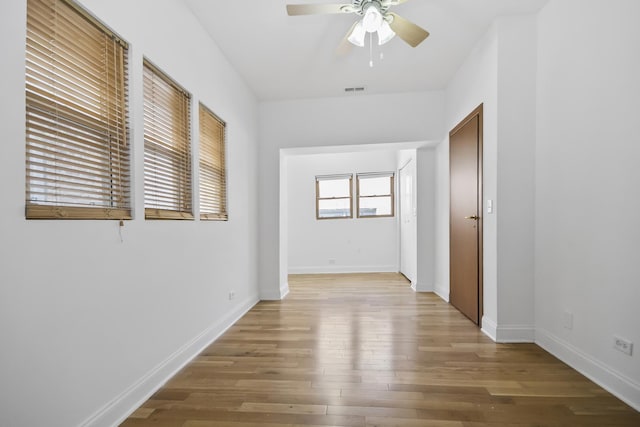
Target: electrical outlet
567,320
232,295
332,261
623,345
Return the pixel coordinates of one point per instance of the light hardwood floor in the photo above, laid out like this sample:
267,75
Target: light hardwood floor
365,350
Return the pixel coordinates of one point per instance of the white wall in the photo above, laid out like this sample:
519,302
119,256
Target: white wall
560,104
500,74
426,227
475,83
342,121
340,245
514,204
89,326
441,223
587,248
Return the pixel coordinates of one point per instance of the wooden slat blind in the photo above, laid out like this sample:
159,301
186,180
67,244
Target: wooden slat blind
167,147
77,151
213,186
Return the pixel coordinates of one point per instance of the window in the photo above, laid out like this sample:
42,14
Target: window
167,150
77,151
333,196
213,186
375,194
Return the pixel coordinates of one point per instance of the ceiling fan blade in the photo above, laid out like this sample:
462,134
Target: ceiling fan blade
345,45
407,30
318,9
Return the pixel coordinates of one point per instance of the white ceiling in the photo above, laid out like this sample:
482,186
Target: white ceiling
283,57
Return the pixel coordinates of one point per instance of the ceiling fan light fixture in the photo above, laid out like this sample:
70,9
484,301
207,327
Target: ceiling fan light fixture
385,33
357,35
372,19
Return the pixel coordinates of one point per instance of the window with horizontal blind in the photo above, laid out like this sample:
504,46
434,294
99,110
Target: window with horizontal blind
77,150
374,194
334,196
167,147
213,185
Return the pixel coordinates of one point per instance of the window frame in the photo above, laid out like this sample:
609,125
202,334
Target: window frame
167,154
77,151
391,194
217,176
319,178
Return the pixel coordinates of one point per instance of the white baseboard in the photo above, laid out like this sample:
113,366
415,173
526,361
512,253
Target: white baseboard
328,269
284,290
515,333
442,292
271,295
507,333
414,286
421,287
623,387
118,409
489,328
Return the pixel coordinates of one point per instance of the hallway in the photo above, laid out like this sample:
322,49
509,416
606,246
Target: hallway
365,350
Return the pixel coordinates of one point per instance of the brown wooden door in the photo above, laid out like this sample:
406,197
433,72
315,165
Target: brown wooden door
465,157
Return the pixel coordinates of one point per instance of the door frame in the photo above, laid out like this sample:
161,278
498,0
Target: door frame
477,112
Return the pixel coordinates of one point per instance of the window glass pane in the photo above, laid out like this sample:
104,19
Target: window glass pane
375,186
375,206
334,188
335,208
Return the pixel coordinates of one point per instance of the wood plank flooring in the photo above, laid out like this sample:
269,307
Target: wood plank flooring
364,350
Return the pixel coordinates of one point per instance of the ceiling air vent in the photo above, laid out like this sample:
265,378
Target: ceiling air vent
354,89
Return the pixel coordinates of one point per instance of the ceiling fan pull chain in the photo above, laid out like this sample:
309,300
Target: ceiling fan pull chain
371,50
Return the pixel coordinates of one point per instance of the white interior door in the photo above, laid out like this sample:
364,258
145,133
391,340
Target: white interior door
408,249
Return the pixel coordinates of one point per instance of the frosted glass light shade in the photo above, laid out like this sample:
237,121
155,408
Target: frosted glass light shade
372,19
385,33
357,35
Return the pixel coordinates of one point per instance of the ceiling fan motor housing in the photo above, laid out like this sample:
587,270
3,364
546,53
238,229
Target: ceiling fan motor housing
361,6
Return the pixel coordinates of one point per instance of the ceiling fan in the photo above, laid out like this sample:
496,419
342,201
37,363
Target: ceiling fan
376,18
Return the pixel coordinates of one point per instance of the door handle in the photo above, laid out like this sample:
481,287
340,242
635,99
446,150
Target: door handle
472,217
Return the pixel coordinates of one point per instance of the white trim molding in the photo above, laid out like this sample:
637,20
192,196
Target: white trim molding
278,295
489,328
442,292
420,287
508,333
515,333
284,290
118,409
328,269
623,387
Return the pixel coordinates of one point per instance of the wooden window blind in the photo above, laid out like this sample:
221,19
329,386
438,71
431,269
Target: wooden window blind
77,150
213,186
167,147
334,196
375,195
